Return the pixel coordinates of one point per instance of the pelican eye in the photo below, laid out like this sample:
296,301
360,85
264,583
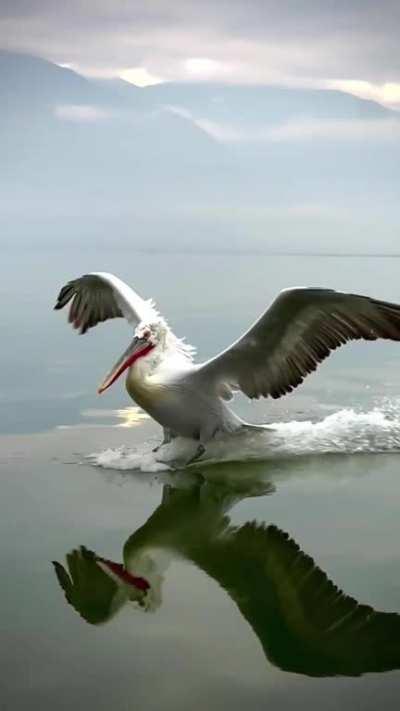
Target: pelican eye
147,333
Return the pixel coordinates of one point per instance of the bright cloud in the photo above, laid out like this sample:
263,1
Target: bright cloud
388,93
204,68
139,76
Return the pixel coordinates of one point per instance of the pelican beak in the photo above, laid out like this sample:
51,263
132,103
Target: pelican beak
118,571
139,347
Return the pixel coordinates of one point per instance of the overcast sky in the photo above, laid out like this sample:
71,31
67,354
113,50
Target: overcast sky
350,44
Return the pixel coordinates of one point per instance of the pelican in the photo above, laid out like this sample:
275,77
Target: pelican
304,622
286,343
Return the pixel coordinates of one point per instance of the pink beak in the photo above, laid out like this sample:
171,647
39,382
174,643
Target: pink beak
125,577
137,349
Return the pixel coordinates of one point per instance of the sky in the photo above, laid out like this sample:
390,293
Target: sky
345,44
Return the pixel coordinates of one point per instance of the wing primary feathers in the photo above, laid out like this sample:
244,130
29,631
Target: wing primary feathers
296,333
97,297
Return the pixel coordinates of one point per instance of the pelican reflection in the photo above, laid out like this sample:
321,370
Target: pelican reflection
304,623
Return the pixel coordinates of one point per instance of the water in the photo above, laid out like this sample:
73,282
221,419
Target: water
239,612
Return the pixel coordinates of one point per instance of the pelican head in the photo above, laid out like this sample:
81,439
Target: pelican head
150,339
143,588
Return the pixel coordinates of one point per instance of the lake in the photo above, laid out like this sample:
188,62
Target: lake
272,582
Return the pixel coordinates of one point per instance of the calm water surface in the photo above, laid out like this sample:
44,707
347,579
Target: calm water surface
271,583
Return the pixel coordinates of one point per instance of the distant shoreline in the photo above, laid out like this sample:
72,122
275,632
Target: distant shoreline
155,251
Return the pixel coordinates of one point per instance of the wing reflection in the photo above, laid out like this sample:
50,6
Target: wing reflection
305,624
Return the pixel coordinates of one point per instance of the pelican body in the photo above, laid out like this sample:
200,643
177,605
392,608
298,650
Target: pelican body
298,331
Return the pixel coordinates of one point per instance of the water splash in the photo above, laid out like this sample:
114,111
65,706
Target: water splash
346,431
124,458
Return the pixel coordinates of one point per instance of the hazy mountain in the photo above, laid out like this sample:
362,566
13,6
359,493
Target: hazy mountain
224,167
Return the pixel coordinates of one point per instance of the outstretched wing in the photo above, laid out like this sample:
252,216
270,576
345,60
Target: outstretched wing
296,333
303,621
98,296
305,624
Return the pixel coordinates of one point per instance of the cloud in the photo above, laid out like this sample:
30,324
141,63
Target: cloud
335,130
296,130
247,41
81,113
204,68
387,93
139,76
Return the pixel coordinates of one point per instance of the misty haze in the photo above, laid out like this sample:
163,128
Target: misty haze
198,167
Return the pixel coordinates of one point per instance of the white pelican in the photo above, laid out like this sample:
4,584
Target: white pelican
305,623
298,331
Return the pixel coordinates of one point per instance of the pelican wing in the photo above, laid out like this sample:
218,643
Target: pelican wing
305,624
303,621
90,591
296,333
99,296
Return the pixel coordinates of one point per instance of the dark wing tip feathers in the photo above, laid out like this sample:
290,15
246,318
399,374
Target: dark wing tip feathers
92,301
64,296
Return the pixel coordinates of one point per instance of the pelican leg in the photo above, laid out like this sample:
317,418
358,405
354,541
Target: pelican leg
168,436
199,453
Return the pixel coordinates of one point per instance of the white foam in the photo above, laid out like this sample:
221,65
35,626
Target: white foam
345,431
123,458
